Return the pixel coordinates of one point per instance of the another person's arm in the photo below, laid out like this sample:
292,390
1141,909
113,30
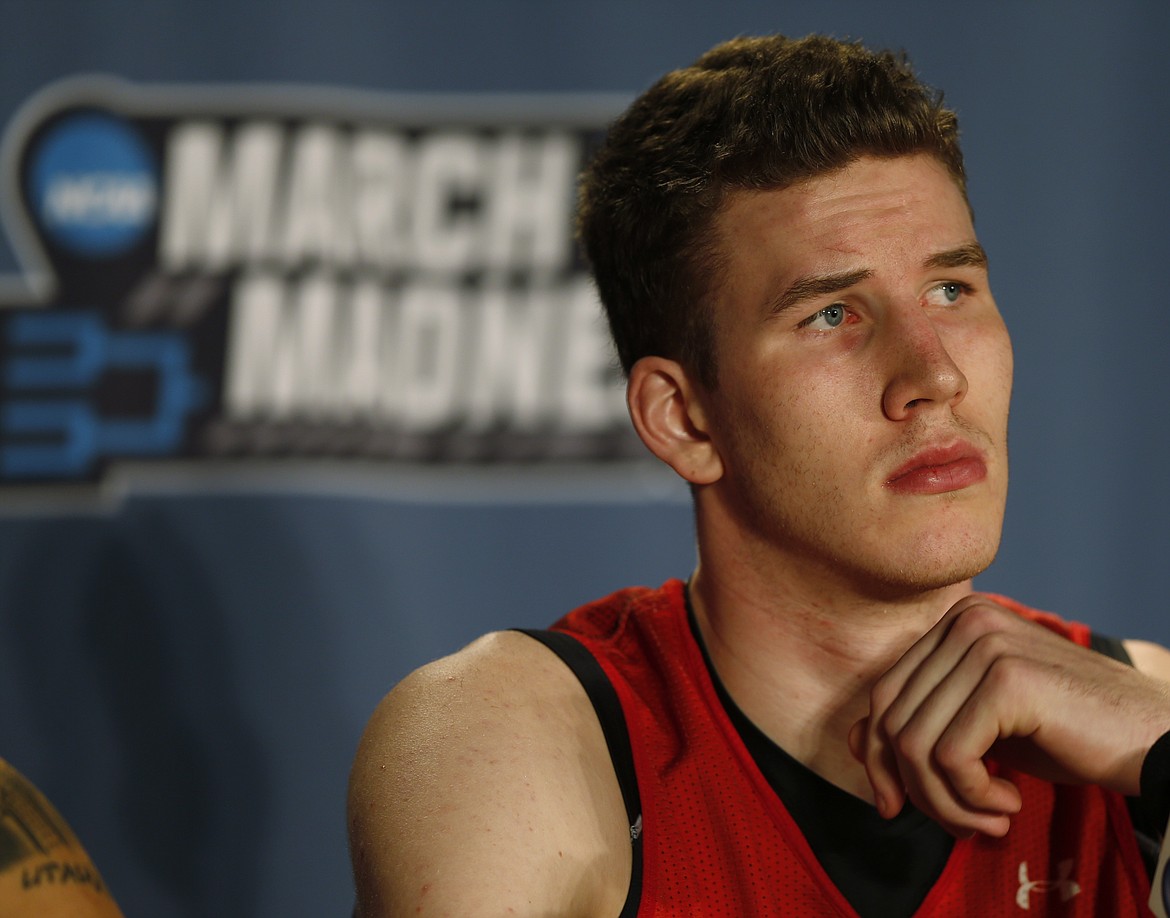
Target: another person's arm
44,870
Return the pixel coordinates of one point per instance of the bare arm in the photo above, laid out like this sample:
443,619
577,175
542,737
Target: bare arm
482,786
1151,659
44,871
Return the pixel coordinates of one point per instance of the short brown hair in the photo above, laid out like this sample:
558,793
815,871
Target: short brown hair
752,113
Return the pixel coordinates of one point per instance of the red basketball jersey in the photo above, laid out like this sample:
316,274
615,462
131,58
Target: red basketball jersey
717,840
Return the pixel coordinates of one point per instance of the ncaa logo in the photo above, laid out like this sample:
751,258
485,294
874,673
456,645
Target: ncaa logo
93,185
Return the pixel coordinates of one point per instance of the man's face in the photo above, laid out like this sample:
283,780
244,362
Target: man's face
864,375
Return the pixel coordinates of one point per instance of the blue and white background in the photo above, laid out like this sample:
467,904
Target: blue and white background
189,647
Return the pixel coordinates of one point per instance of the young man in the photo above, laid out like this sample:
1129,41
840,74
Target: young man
824,720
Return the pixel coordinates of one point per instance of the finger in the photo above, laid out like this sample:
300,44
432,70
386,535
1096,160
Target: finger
973,636
873,747
896,697
927,644
914,680
998,708
962,721
949,779
881,770
938,760
973,781
932,790
963,822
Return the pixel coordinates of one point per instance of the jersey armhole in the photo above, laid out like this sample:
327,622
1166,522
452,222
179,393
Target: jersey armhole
1110,647
609,712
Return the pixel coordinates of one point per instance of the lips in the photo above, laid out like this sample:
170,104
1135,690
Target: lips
937,470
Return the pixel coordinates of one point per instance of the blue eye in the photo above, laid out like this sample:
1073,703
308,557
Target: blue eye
948,293
827,318
833,315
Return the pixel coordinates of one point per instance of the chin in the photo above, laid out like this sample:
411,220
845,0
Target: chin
928,570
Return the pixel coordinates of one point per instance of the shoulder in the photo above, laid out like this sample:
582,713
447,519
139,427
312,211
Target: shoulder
483,782
1149,658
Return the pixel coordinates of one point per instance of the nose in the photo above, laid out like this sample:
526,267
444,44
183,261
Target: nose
921,370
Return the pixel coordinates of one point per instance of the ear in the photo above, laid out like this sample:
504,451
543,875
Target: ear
669,416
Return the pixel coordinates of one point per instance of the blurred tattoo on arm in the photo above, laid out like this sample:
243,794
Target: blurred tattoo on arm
29,825
44,870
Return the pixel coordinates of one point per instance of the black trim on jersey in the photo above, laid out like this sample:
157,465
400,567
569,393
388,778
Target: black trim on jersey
1110,647
608,707
1155,784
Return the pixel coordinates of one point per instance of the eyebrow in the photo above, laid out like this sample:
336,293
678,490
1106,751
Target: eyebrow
970,255
809,288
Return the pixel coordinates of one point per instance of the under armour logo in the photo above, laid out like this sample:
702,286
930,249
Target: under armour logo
1063,884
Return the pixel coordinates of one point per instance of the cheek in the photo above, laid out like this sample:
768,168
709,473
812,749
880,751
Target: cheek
1008,360
984,356
1001,366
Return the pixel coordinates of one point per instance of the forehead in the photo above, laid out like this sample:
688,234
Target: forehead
873,210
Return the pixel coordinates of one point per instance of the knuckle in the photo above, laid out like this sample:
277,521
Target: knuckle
979,619
951,756
1006,675
911,744
990,647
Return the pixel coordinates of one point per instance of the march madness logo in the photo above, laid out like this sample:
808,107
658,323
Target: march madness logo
261,273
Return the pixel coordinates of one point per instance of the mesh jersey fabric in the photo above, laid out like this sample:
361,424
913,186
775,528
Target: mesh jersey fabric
717,841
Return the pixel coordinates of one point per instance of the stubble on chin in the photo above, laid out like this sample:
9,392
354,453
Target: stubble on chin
872,560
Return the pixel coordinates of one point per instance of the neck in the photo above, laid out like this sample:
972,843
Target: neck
799,655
